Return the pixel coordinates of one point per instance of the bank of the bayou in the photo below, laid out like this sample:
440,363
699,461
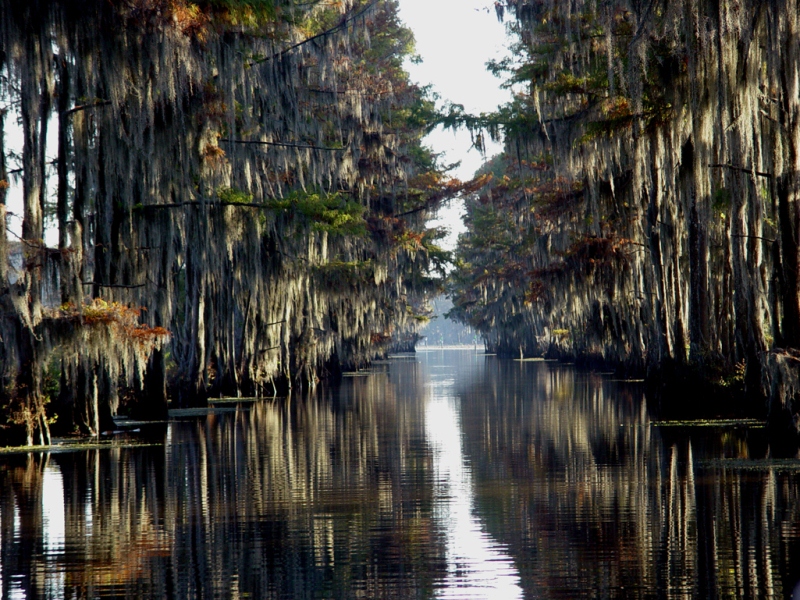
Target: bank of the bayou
645,214
217,197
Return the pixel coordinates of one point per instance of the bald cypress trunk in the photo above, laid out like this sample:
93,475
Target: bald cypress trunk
4,185
787,211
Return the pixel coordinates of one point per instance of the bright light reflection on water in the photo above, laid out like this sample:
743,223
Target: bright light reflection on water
477,567
53,524
53,529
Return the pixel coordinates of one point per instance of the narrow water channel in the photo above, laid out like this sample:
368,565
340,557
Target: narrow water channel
449,474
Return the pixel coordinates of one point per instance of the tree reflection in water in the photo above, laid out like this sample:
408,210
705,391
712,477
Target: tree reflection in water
592,500
327,496
452,475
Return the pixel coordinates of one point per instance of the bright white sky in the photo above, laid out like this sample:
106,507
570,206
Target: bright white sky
455,38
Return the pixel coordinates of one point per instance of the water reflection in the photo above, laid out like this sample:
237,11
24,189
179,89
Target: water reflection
592,501
453,475
476,566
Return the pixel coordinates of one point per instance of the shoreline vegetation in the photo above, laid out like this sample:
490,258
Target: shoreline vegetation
135,433
132,433
205,198
643,217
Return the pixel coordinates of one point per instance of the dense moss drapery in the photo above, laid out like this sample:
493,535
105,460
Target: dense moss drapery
238,193
645,211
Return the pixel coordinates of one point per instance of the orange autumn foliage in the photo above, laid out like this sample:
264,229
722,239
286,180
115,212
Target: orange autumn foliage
124,319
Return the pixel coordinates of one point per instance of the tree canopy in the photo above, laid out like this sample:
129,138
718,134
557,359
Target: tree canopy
644,213
239,191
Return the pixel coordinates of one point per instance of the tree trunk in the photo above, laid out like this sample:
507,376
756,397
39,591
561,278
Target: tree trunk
3,193
62,191
788,226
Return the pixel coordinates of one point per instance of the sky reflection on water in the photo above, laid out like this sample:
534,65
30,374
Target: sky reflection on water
477,567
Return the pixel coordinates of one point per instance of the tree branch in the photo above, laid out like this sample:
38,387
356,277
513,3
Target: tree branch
114,285
755,237
343,23
209,204
742,169
96,104
282,144
420,208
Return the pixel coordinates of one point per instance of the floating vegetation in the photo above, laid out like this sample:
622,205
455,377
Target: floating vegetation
744,464
749,423
124,423
79,446
183,413
235,400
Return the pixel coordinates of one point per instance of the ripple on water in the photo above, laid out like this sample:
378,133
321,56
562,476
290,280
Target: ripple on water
455,476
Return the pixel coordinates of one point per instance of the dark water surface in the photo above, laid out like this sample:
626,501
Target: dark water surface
452,475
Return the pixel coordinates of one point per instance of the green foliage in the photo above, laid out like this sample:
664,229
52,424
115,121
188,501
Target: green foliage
734,377
616,115
721,200
51,375
568,83
423,157
419,318
243,13
516,73
234,196
438,258
391,41
491,228
331,213
553,87
419,115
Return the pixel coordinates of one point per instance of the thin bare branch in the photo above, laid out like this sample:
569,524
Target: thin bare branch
342,24
81,107
283,145
741,169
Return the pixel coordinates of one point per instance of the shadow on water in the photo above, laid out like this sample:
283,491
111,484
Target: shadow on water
452,474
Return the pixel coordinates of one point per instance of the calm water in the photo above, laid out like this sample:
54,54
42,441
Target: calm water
452,475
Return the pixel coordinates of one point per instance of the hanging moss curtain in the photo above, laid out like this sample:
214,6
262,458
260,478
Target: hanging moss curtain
189,175
647,196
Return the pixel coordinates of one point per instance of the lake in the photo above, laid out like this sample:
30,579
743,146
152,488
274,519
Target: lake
449,474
